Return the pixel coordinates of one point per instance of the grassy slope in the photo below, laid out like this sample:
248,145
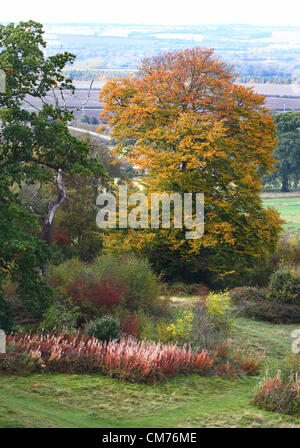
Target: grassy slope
94,401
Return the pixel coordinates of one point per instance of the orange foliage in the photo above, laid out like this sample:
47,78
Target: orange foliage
185,123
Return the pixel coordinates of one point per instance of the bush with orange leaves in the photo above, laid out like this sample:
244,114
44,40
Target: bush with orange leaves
128,358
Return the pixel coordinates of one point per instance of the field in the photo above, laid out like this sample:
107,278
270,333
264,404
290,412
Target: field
93,401
288,205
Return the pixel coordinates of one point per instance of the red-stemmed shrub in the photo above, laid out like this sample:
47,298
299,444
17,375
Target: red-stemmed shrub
128,358
279,395
105,293
131,325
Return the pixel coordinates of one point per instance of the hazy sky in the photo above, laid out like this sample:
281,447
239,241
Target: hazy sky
260,12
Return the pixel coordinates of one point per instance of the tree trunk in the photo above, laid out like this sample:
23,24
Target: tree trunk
285,184
52,207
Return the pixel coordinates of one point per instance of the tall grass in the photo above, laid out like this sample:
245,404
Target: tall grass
129,359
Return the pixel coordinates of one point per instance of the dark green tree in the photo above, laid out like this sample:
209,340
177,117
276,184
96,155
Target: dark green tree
35,148
287,152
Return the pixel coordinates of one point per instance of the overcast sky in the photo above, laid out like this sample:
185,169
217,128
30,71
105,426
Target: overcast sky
257,12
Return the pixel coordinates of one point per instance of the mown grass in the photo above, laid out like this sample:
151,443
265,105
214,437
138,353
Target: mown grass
60,400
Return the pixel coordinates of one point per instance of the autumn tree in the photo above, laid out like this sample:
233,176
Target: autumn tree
185,124
35,148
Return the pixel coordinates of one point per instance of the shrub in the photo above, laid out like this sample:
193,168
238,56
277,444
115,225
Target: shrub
179,330
105,294
63,274
254,302
206,330
61,237
6,318
10,290
197,327
105,329
287,252
14,309
127,359
284,286
275,394
89,246
110,282
291,364
60,316
18,363
218,307
270,312
148,328
143,289
131,325
247,293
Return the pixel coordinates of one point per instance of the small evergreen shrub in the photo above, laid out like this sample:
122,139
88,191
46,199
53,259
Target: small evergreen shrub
284,286
105,329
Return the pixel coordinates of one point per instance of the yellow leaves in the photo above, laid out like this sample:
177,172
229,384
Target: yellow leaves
101,128
186,125
218,307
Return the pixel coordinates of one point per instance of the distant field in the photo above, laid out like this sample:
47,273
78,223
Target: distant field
279,97
283,90
288,205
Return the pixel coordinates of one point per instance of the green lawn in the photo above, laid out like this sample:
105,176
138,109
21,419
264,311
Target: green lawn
94,401
288,205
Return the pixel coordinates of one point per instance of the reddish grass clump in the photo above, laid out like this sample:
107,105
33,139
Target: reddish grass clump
279,395
129,359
